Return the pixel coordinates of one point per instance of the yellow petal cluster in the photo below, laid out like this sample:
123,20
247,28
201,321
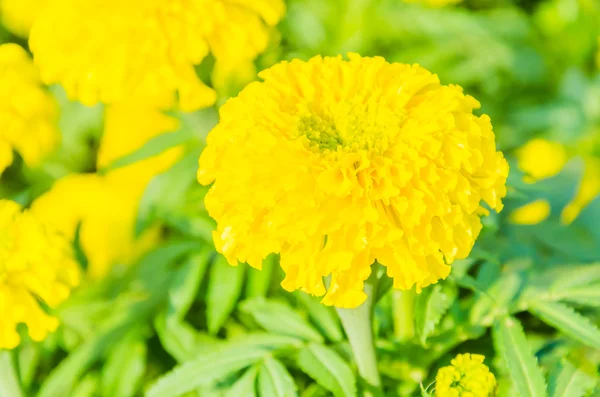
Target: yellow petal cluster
28,113
18,15
36,265
104,207
466,376
540,159
531,213
335,164
146,50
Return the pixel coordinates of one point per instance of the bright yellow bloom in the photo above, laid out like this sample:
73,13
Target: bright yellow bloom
28,113
36,264
588,190
531,213
434,3
18,15
146,50
540,159
466,376
335,164
106,207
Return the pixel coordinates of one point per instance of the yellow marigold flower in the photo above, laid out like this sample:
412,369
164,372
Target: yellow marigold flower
588,190
531,213
541,159
146,50
106,207
335,164
18,15
466,376
36,264
28,113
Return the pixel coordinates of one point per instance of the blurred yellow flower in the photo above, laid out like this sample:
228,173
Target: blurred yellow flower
146,50
106,206
36,265
335,164
18,15
28,113
531,213
540,159
466,376
588,190
434,3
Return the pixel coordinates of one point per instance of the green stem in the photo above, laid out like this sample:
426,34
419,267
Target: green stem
358,326
403,314
9,383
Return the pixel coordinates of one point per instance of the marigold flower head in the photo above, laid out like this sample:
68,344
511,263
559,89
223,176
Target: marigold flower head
146,50
36,264
531,213
466,376
28,113
335,164
18,15
540,159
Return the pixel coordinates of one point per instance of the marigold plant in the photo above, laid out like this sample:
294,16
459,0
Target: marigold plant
28,113
37,269
146,50
335,164
466,376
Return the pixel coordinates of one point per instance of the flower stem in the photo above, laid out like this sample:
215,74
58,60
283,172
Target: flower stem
358,326
9,384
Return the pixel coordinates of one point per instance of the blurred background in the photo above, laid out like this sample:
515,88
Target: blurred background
121,182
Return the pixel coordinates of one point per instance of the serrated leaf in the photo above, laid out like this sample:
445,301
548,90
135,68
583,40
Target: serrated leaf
180,339
430,306
329,370
568,321
280,319
323,317
522,366
245,386
186,282
588,295
259,281
224,289
568,381
219,362
497,301
274,380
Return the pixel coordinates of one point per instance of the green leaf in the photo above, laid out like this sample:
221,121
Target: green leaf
166,191
186,283
567,320
522,366
224,289
324,317
280,319
497,301
329,370
88,387
424,392
219,363
430,307
153,147
274,380
245,386
123,371
568,381
259,281
9,383
180,339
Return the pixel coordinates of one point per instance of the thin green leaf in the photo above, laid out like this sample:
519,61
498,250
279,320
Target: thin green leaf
123,371
88,387
259,281
274,380
567,320
153,147
9,383
245,386
424,392
522,366
186,282
329,370
497,301
224,289
323,317
279,318
568,381
430,307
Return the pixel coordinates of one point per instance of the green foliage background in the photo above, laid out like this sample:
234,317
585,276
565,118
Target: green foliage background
183,322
